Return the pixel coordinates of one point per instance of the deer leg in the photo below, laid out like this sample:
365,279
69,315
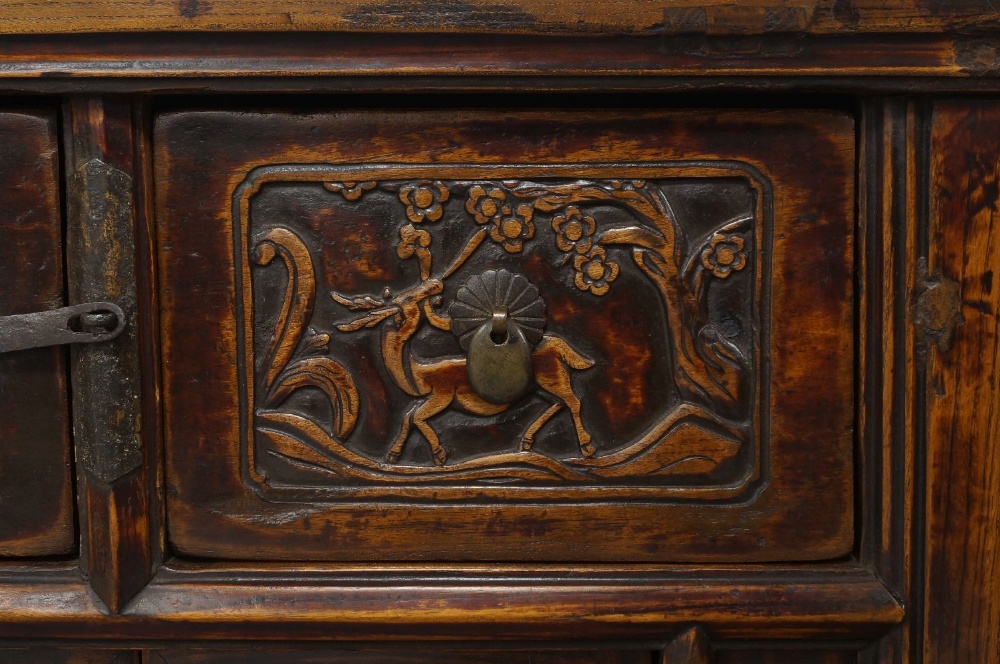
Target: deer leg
556,383
529,436
586,449
428,409
392,456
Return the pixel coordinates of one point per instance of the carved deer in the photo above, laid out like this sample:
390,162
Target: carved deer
442,382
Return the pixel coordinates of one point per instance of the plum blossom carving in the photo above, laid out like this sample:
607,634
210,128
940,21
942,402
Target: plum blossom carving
724,255
509,227
573,231
511,232
594,272
627,185
414,241
424,200
411,241
487,206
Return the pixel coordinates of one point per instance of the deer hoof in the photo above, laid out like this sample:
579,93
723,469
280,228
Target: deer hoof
440,456
525,445
587,450
392,457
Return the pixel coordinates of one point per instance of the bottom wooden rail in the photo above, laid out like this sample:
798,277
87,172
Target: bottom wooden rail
425,602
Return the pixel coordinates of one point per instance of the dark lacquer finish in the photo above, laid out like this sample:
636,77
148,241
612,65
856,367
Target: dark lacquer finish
36,509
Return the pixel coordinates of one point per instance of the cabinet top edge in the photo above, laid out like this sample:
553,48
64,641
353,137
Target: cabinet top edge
615,17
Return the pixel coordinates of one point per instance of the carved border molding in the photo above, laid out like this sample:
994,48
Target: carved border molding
297,360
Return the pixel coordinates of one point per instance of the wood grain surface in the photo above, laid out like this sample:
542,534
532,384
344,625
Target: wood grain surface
36,510
68,656
892,199
790,656
501,16
801,514
434,603
690,647
962,607
434,656
310,62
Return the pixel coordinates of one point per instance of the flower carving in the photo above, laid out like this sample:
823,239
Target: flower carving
512,231
724,255
351,191
628,185
573,231
594,272
510,228
415,242
424,200
412,240
487,206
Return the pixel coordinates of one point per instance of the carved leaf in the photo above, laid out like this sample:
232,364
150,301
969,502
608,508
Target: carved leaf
297,305
316,343
330,377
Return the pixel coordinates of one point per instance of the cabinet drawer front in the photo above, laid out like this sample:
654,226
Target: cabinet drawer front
36,510
508,336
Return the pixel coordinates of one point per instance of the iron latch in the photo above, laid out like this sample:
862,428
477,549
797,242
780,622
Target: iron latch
88,323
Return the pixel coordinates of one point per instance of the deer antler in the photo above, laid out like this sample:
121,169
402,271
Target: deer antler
358,302
368,320
470,247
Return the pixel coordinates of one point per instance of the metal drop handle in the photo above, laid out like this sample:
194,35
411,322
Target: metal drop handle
499,363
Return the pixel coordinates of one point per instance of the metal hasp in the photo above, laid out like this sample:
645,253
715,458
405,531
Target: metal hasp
88,323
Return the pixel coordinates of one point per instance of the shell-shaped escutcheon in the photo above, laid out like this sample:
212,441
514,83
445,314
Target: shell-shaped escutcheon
492,291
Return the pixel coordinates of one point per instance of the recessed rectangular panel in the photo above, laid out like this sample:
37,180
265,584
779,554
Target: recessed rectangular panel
477,336
630,294
36,509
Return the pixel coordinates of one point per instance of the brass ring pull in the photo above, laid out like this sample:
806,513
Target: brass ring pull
498,318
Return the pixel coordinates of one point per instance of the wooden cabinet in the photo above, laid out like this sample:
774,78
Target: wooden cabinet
501,333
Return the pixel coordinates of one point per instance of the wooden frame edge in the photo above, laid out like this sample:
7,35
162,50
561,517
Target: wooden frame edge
418,603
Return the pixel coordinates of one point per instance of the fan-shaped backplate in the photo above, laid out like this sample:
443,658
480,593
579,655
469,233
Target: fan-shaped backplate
476,301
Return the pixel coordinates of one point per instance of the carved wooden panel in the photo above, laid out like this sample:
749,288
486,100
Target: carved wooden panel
639,298
331,284
36,506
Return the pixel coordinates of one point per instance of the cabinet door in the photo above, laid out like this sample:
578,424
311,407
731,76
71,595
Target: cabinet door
36,515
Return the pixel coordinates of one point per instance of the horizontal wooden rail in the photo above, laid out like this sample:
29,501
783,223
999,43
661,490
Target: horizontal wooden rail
503,16
405,603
